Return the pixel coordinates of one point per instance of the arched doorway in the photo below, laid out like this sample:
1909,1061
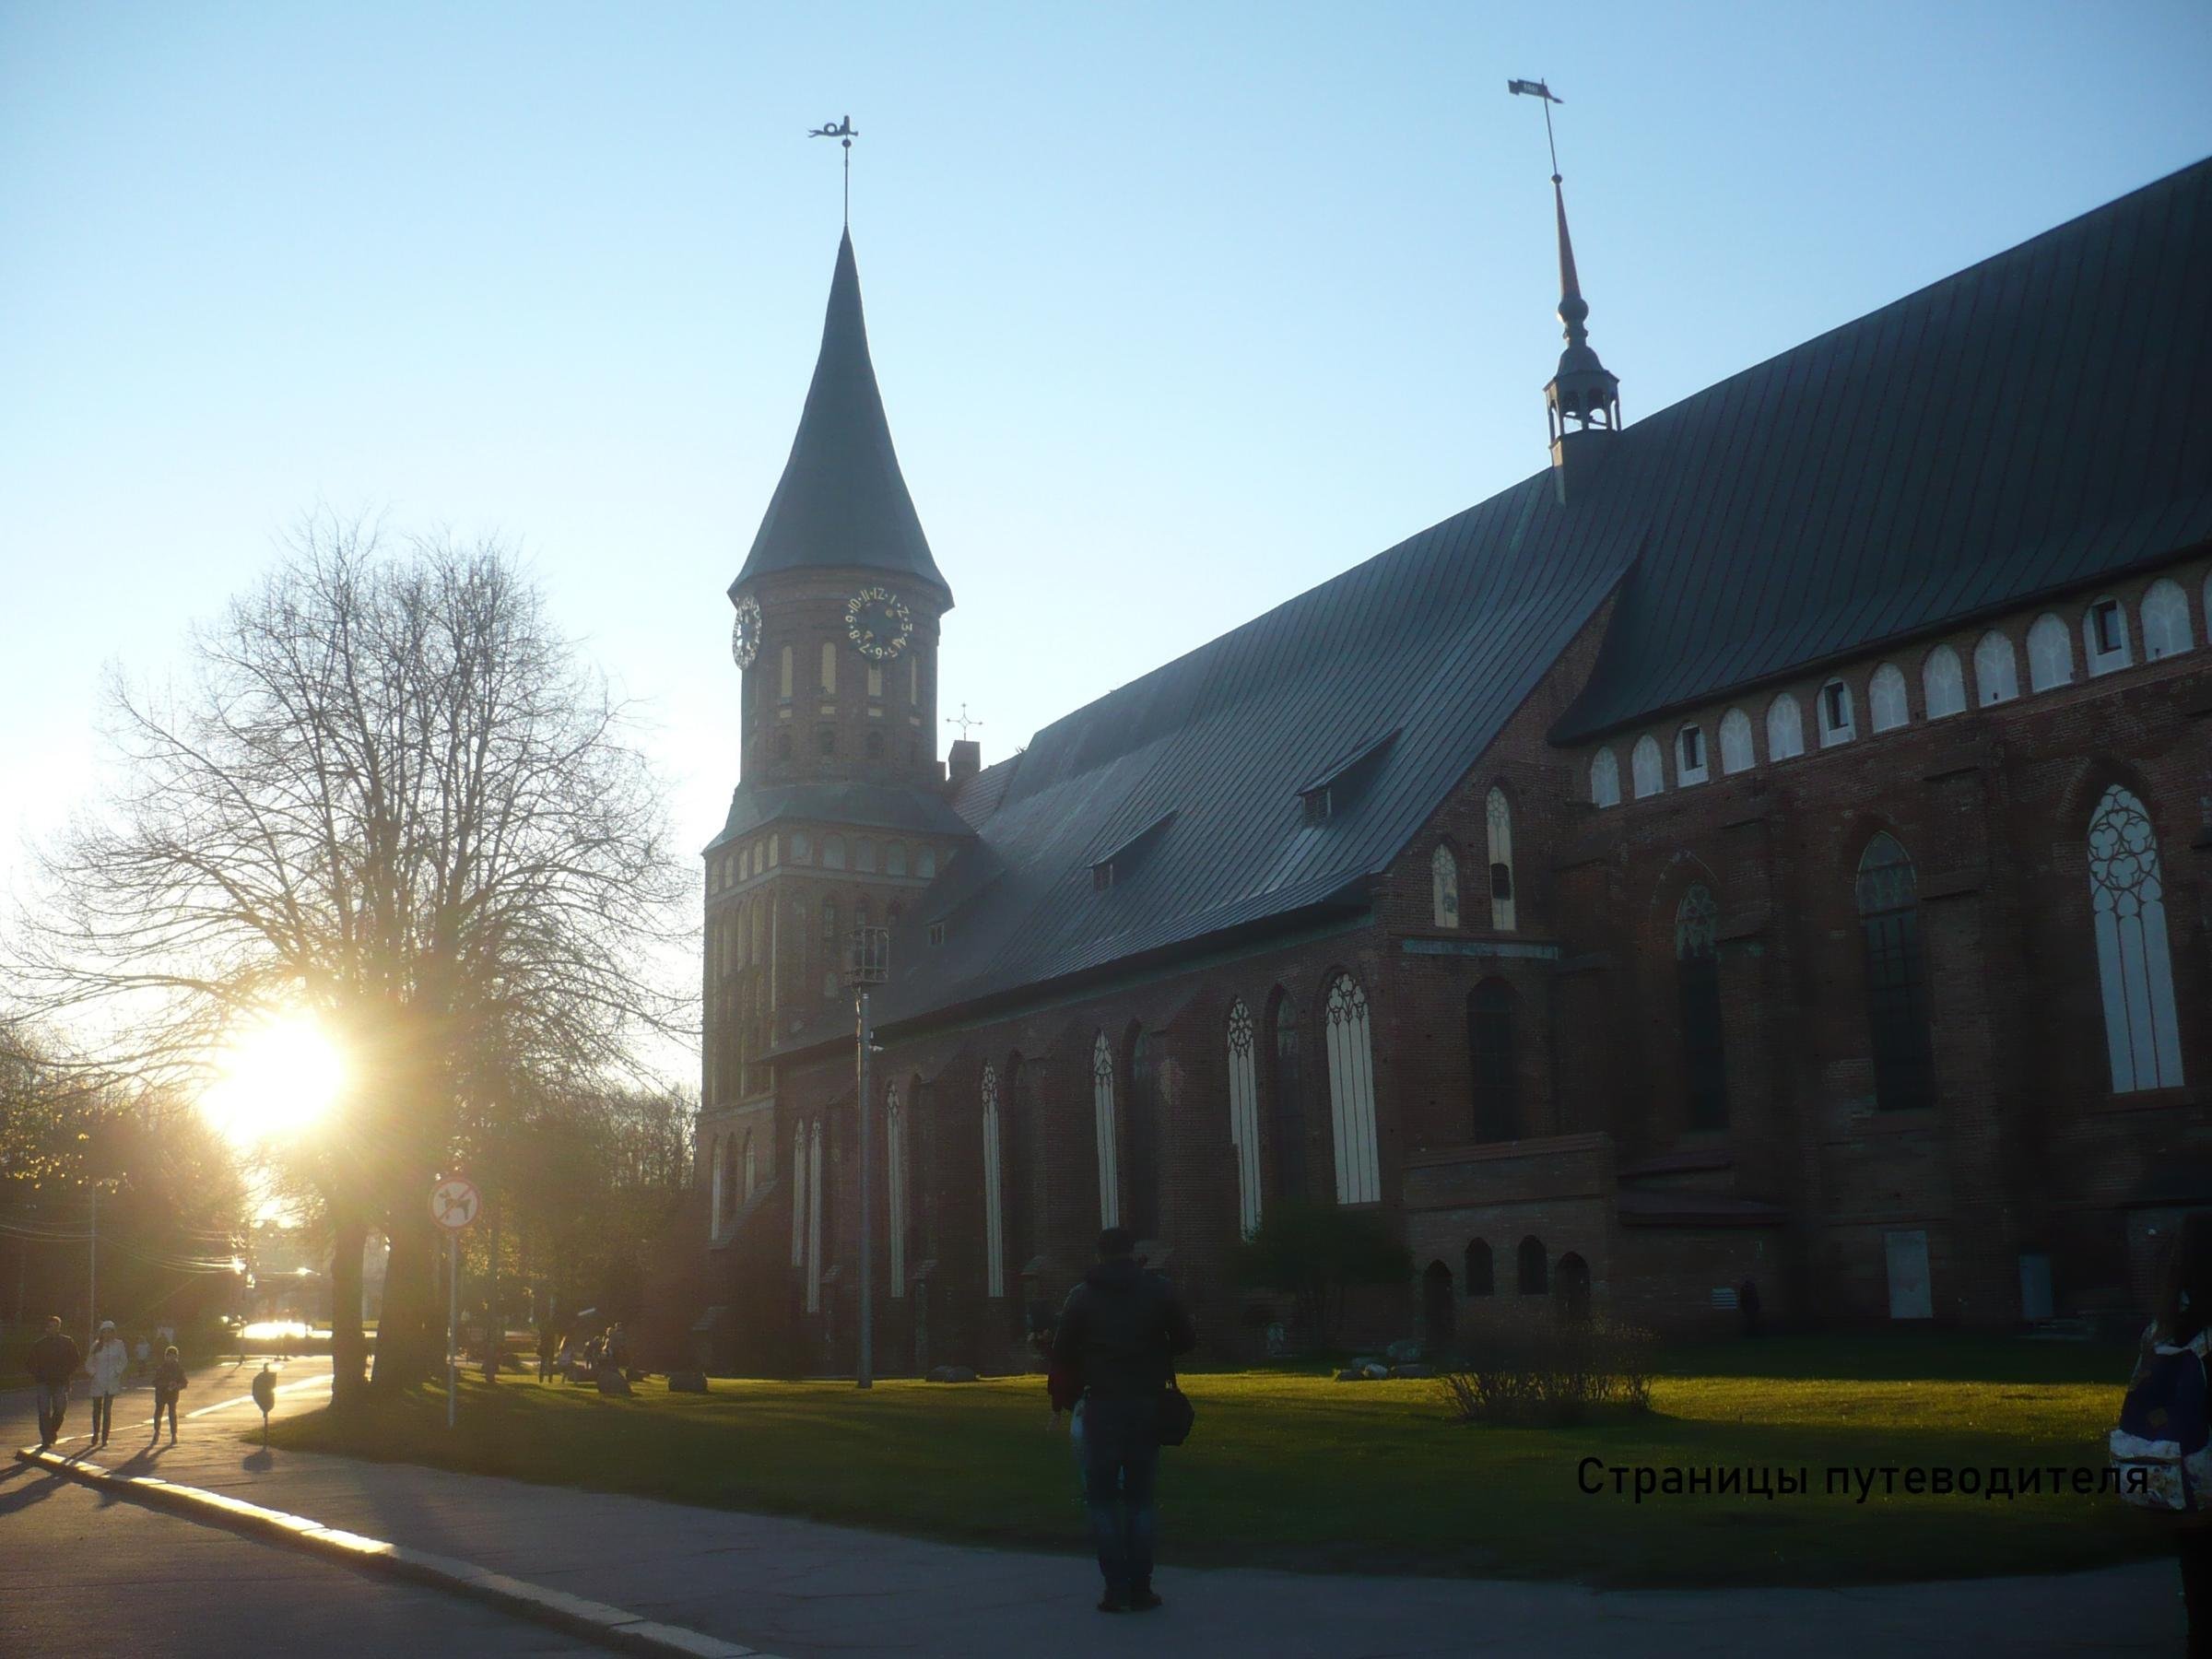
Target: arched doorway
1571,1285
1436,1308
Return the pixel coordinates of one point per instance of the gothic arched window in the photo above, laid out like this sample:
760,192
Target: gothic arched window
1888,892
1996,669
994,1221
828,668
2166,630
1244,1115
1494,1061
1697,972
1532,1268
833,851
2105,633
1498,819
798,1195
716,1197
1103,1124
752,1174
1839,724
926,864
894,858
1443,886
1479,1277
1352,1093
1943,683
1691,761
783,676
1604,778
1647,766
1886,706
864,853
2050,654
2135,963
1735,742
1142,1131
814,1219
1785,728
1286,1098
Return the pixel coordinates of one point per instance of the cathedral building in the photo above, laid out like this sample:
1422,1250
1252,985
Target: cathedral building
1769,846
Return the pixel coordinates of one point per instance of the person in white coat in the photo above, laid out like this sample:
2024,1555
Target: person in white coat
110,1360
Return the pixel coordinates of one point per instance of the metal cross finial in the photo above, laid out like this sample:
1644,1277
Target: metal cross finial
962,721
843,132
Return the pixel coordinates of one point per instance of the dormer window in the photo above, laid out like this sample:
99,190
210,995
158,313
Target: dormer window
936,933
1317,805
1338,788
1690,755
1835,714
1118,864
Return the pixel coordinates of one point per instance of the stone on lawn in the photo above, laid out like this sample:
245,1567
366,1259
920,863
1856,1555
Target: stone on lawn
952,1373
612,1382
1407,1352
687,1381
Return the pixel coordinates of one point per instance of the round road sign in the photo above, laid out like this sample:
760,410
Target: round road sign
454,1203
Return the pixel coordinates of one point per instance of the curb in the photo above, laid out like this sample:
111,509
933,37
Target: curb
612,1626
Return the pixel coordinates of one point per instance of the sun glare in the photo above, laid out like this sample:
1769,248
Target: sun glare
277,1079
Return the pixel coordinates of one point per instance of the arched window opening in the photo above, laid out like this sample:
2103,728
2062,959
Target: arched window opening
833,851
825,743
783,676
864,854
814,1219
798,1195
1996,669
1647,769
874,682
1888,892
1574,1292
802,848
1479,1276
894,859
1735,742
995,1223
1886,704
1102,1124
1142,1133
716,1197
2104,632
1697,973
1352,1093
2050,654
1244,1115
1287,1098
1785,728
1690,755
894,1181
1494,1059
926,864
1019,1169
1838,720
1497,817
2134,962
1943,683
1533,1270
828,668
1437,1309
1443,886
2166,630
1604,778
751,1171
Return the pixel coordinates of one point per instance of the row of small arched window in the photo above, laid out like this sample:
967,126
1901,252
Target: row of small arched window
757,856
2107,645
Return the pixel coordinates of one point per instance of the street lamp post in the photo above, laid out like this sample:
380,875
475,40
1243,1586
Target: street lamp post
870,962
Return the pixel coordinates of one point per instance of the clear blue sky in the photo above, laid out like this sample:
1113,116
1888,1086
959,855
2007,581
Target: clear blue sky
1178,309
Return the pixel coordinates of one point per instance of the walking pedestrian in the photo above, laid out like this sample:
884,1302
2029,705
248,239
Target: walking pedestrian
1119,1331
109,1361
54,1359
2184,1324
168,1382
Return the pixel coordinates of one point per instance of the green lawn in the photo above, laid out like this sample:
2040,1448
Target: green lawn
1288,1468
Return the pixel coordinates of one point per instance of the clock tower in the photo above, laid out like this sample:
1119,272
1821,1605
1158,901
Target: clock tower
840,817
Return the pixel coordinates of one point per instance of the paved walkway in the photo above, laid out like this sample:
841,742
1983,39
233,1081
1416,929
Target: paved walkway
809,1591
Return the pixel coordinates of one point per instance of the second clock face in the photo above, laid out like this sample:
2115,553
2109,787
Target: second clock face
745,632
878,623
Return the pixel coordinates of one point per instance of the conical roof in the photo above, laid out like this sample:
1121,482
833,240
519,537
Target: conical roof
842,501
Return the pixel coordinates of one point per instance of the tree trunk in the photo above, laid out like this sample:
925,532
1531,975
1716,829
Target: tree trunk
410,1338
349,1346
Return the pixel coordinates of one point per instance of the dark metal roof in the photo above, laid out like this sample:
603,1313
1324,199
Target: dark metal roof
845,805
2037,422
1438,639
842,501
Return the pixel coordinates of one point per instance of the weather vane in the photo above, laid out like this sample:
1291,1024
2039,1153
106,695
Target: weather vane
843,132
1536,89
962,721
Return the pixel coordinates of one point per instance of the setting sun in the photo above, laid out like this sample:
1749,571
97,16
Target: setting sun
277,1079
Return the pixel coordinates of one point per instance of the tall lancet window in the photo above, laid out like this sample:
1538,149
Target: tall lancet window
1698,972
783,675
994,1219
2134,965
1443,885
1244,1115
828,668
752,1177
798,1195
1101,1112
714,1210
1943,683
1352,1093
894,1173
1896,1006
1499,818
814,1219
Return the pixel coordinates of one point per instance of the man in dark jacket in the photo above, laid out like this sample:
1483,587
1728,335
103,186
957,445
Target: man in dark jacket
1119,1331
54,1359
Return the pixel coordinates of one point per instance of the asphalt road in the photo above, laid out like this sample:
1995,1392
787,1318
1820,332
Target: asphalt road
81,1572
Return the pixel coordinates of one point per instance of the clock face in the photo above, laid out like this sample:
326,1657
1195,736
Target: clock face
878,623
745,632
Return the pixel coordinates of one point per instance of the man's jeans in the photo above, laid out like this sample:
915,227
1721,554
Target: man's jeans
53,1405
1121,1457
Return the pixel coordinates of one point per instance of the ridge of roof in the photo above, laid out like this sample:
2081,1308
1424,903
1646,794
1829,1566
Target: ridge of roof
842,501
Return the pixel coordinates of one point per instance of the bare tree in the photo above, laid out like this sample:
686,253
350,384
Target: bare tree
390,795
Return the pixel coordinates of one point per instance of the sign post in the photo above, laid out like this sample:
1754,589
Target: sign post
453,1204
264,1396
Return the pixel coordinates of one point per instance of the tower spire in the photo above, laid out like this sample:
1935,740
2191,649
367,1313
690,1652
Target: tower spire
1583,397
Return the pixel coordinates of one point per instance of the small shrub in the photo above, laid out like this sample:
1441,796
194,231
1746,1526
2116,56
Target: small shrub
1540,1370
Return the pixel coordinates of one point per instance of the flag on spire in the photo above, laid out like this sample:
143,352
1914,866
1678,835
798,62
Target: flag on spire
1535,88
